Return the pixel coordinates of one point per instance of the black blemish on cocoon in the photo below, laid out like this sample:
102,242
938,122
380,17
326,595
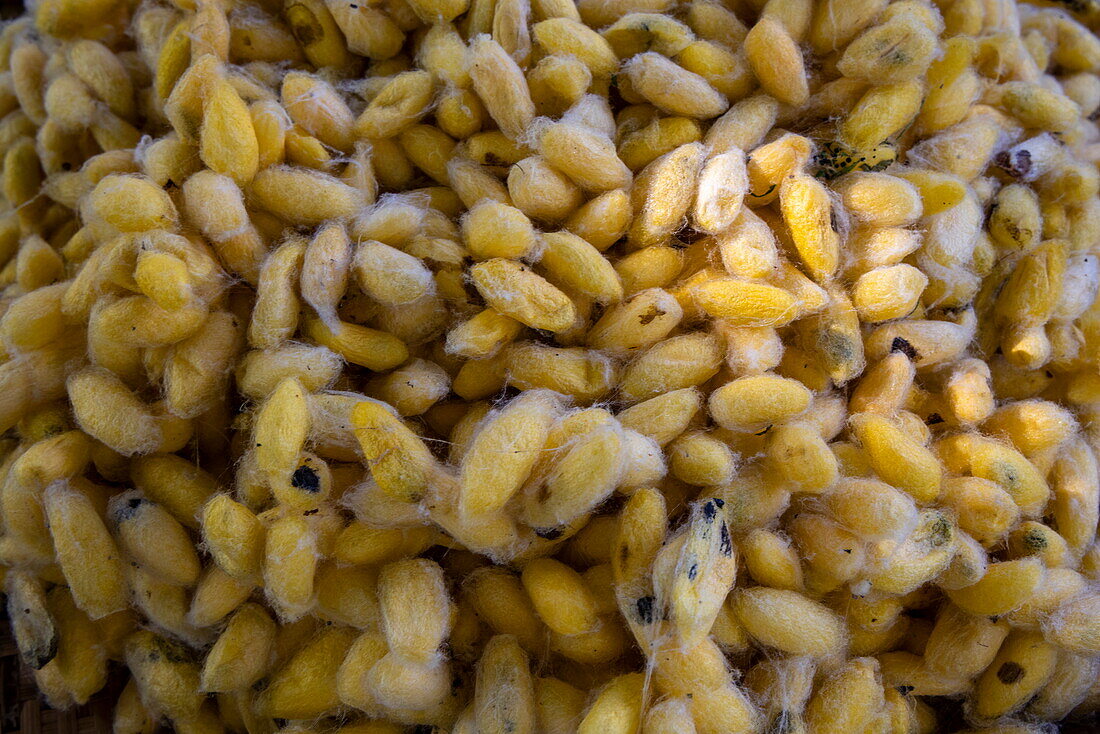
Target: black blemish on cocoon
306,479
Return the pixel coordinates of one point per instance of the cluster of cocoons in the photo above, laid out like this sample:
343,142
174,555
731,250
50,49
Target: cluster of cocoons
553,367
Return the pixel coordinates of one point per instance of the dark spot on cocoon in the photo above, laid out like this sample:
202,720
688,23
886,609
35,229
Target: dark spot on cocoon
1009,673
129,509
1035,540
725,544
173,652
644,606
306,479
902,345
710,510
549,533
650,315
940,532
40,656
304,24
687,234
693,571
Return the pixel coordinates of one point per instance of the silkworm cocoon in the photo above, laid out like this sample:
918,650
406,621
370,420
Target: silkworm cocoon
989,459
924,554
579,267
400,103
663,193
391,276
558,705
398,683
897,458
587,472
154,539
1066,687
560,597
871,508
240,655
290,562
771,560
215,205
504,697
416,608
853,696
275,316
281,427
325,267
398,459
132,204
701,460
702,573
1006,586
260,371
97,580
514,290
227,139
305,686
962,645
1073,626
772,615
664,417
1022,666
617,708
131,715
175,483
303,196
108,411
216,596
234,536
348,595
371,348
602,220
750,403
504,450
351,677
799,454
196,372
672,88
585,375
166,677
36,632
500,600
500,84
642,320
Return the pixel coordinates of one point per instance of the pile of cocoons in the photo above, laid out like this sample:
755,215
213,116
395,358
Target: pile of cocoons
553,367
